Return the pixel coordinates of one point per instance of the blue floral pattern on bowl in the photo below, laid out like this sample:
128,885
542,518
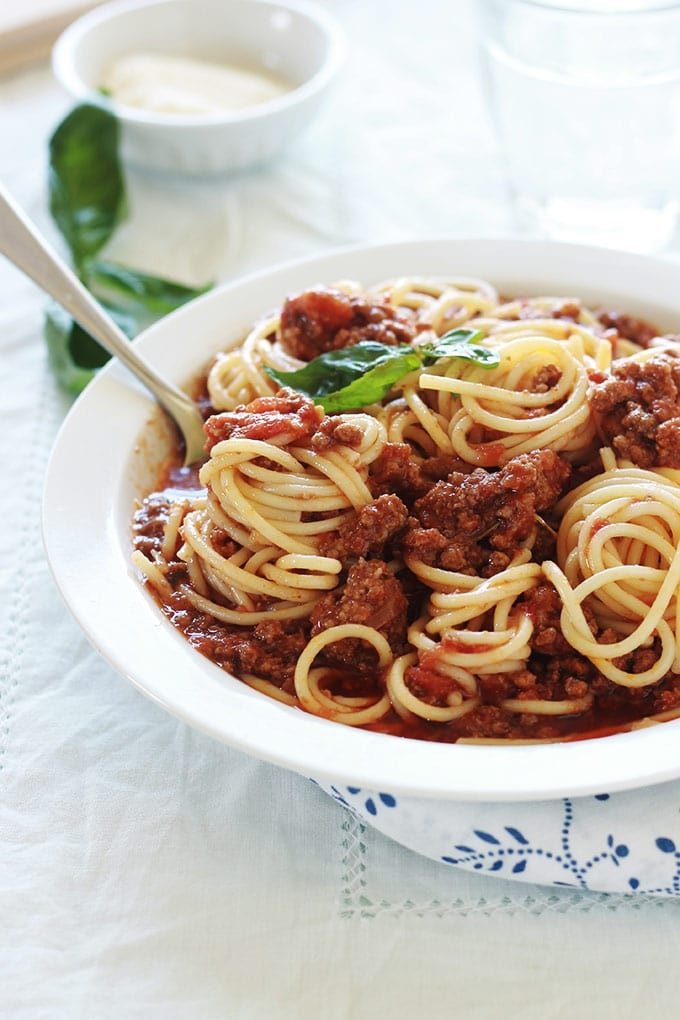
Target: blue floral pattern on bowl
625,842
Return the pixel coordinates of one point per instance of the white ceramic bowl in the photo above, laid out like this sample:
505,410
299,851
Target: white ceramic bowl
95,473
290,38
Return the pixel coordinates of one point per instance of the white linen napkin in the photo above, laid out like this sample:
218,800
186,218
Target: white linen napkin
147,871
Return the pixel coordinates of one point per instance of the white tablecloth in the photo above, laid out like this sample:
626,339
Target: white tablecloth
149,872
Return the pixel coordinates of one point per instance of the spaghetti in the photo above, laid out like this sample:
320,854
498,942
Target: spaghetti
488,551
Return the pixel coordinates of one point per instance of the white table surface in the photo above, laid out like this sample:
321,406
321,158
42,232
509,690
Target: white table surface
147,871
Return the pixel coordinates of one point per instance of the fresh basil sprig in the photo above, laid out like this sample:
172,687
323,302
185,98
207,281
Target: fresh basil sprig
354,377
74,356
87,200
148,295
85,180
459,343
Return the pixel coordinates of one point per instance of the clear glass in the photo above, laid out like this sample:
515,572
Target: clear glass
586,101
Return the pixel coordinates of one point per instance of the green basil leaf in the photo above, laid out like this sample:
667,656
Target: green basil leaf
354,377
373,385
111,281
457,343
87,202
335,370
72,353
485,357
86,187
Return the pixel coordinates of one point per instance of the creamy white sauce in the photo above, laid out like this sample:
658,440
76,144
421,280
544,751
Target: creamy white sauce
178,85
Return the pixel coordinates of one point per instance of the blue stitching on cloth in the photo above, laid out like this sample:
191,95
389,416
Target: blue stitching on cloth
614,852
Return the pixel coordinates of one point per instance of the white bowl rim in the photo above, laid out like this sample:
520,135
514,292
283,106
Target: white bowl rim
73,36
232,712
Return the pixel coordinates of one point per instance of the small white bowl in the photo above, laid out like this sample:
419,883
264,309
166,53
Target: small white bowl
289,38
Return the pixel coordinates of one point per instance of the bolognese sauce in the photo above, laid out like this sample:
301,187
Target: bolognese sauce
368,523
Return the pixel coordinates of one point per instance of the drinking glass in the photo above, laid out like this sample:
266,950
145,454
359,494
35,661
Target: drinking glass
585,97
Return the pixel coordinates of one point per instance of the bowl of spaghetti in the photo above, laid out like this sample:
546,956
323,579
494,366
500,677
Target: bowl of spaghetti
433,548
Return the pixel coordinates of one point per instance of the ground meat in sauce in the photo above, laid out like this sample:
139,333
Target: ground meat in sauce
366,534
629,327
371,596
614,323
566,308
375,596
334,432
475,523
284,418
270,649
637,408
561,674
324,319
544,606
148,523
395,471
